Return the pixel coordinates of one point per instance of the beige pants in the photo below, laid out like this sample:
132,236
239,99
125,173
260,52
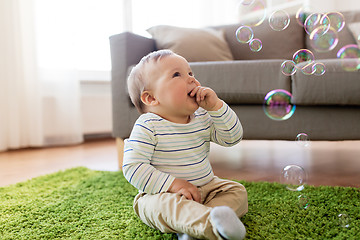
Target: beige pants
173,213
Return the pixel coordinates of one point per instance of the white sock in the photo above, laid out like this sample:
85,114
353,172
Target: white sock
227,223
184,236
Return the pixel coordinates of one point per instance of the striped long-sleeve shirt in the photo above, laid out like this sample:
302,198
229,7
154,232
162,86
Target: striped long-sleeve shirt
158,151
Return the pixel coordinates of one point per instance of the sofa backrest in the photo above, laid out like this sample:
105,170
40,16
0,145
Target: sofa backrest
276,44
283,44
345,37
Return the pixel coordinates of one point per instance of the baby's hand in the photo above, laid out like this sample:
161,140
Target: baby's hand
206,98
186,189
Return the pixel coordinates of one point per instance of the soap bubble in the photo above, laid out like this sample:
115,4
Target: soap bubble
247,2
279,20
255,12
337,20
255,45
300,17
303,55
277,105
350,55
323,41
319,69
244,34
308,69
316,20
344,220
294,177
303,202
302,139
288,68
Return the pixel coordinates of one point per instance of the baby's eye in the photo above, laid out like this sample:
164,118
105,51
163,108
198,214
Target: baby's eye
177,74
191,74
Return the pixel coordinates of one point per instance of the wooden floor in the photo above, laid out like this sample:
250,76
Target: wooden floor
326,163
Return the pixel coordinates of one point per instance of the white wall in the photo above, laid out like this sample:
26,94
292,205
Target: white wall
332,5
96,107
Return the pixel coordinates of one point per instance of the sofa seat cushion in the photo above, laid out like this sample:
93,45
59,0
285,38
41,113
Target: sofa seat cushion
336,87
242,82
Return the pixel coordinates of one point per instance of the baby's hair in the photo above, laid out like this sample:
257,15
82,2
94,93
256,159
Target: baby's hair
136,81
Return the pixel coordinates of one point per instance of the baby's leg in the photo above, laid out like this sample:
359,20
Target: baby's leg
172,213
229,202
221,192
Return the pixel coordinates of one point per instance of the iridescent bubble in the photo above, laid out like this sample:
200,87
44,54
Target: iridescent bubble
255,45
277,105
319,69
344,220
300,17
294,177
244,34
247,2
308,69
253,13
324,41
303,202
337,20
316,20
288,68
279,20
303,56
302,139
350,56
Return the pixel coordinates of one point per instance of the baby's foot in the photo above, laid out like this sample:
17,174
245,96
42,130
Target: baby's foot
184,236
227,223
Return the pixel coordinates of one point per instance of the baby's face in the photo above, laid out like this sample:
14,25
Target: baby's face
171,81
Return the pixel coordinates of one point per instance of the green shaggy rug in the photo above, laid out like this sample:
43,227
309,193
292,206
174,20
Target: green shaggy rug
84,204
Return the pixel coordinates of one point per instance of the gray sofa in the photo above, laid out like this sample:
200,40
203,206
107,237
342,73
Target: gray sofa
327,106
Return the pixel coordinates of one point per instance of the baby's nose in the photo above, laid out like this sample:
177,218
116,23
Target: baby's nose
191,79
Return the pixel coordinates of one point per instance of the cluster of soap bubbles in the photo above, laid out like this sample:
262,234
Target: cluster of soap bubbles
294,178
322,29
278,105
323,32
245,34
304,61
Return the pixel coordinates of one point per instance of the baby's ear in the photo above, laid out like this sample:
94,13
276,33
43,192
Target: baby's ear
148,98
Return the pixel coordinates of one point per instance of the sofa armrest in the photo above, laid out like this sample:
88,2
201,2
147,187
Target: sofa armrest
126,49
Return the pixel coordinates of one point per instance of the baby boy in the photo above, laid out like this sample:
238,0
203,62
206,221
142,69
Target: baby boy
166,156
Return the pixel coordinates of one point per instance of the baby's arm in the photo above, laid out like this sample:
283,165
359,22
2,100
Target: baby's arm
226,128
206,98
137,168
186,189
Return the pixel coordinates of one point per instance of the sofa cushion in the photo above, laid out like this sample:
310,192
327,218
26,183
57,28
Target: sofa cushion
241,82
355,30
345,37
335,87
276,44
193,44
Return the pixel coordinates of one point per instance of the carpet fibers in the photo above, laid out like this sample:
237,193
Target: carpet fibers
84,204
